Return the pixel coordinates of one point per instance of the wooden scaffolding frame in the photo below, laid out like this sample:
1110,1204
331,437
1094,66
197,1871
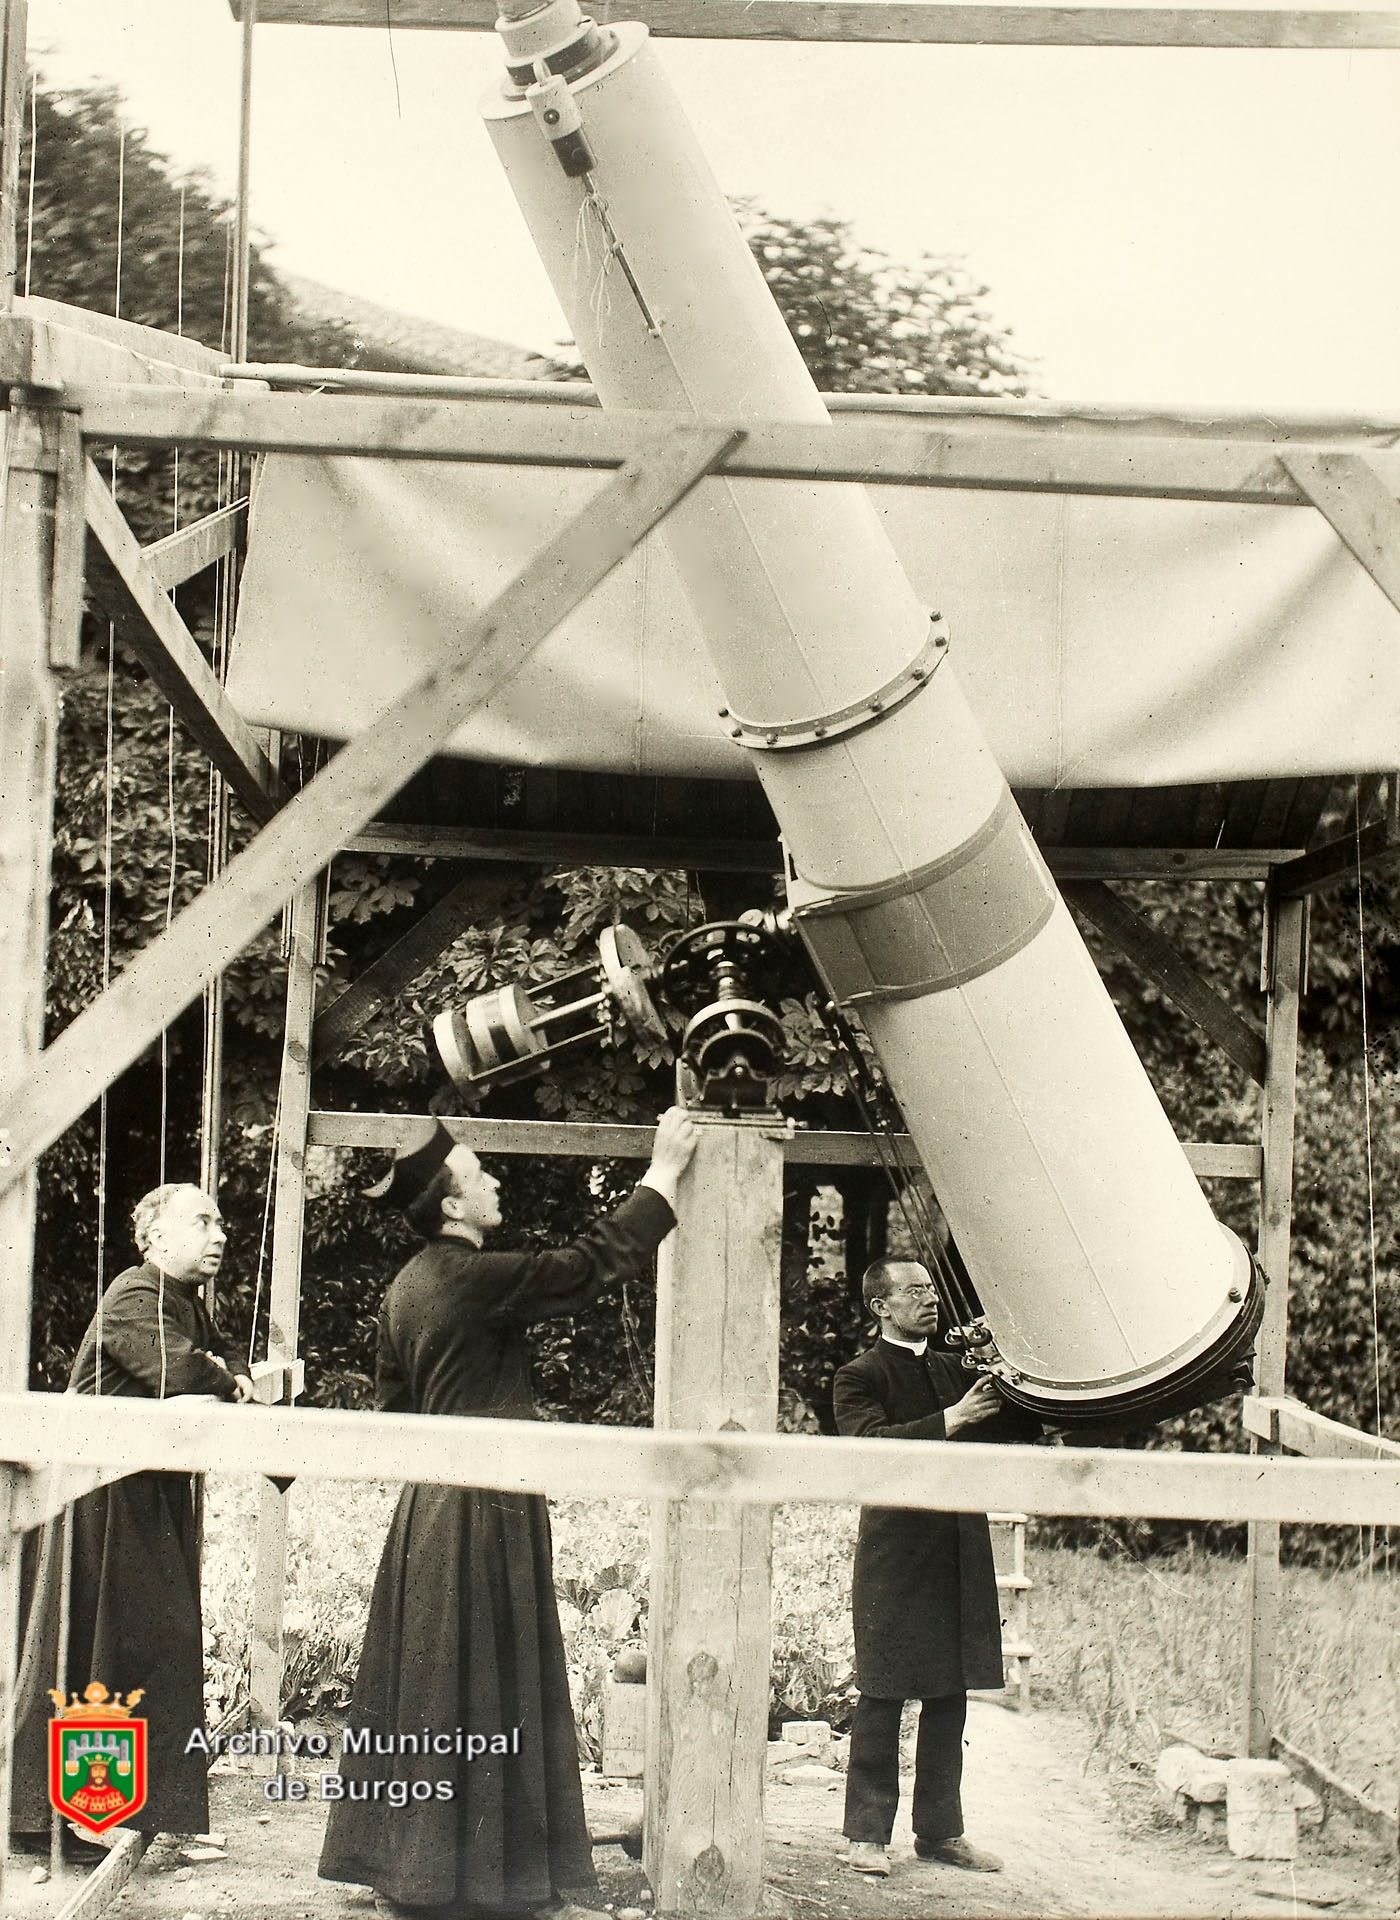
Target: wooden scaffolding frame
77,380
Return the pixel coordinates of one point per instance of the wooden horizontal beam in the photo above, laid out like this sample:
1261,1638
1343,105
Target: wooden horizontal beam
189,550
693,853
49,346
146,620
1154,955
1324,426
907,22
1165,863
1296,1428
582,1139
397,968
190,1436
158,983
868,451
43,1492
278,1382
587,1139
1224,1159
528,848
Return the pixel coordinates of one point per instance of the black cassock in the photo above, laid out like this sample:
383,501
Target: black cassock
463,1629
134,1608
923,1594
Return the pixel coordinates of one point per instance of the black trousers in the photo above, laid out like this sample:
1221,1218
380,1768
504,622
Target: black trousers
872,1777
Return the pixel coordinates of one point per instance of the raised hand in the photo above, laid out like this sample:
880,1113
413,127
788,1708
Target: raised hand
980,1402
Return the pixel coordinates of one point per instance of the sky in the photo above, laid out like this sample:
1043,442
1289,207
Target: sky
1169,226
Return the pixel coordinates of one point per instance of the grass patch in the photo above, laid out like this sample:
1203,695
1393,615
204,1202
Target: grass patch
1145,1649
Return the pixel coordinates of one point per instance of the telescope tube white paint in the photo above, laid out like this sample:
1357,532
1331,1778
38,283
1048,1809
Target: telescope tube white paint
1100,1266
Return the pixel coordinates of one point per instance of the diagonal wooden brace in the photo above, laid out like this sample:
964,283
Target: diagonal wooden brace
1356,503
191,548
1139,941
124,586
160,982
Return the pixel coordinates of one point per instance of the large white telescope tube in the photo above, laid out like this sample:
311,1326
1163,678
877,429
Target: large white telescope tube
1109,1286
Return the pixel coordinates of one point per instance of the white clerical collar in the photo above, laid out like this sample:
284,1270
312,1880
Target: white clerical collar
915,1346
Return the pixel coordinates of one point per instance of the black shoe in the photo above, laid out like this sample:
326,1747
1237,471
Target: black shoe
958,1852
77,1851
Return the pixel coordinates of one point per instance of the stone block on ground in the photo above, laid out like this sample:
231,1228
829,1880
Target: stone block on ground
809,1773
807,1733
1261,1821
1186,1770
1192,1784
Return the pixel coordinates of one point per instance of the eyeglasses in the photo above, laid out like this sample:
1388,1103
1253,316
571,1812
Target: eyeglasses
920,1289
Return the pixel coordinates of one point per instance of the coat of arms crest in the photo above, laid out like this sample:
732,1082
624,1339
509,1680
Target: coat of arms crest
97,1756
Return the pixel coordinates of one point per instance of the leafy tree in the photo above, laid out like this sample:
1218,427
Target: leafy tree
866,324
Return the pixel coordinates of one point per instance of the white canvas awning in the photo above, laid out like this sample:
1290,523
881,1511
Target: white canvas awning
1103,642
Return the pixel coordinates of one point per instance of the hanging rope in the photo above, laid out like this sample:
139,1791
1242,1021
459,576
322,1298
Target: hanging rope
1366,1110
210,1124
33,157
1369,1556
64,1531
172,868
107,818
173,854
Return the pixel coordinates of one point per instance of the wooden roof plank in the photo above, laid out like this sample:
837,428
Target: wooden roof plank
1310,797
907,22
1006,457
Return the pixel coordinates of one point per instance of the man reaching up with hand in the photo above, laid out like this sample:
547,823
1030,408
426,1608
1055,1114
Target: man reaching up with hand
463,1629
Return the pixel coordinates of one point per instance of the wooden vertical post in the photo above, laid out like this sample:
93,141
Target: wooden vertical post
28,735
1286,926
716,1369
284,1305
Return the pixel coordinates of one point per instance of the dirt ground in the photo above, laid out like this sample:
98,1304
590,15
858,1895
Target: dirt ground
1029,1796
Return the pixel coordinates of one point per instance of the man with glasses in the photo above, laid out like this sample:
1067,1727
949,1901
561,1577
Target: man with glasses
924,1594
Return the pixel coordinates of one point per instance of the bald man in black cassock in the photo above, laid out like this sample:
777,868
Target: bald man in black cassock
463,1628
133,1599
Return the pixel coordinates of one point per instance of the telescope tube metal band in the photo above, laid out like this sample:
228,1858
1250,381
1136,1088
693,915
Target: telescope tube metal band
821,729
971,909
